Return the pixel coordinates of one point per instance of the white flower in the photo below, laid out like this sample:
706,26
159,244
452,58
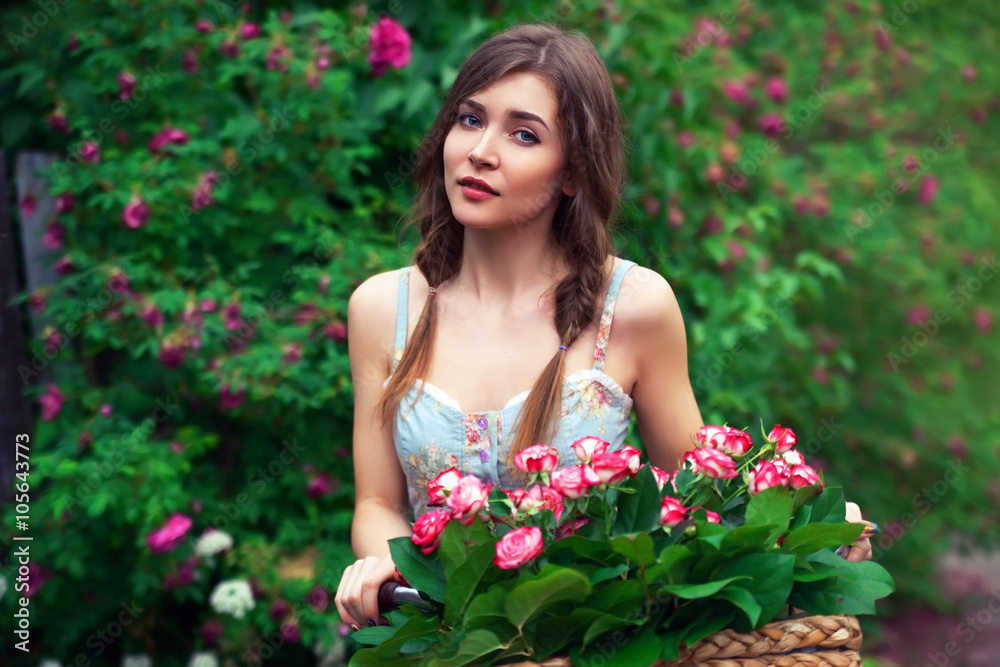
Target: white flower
212,542
138,660
203,659
232,597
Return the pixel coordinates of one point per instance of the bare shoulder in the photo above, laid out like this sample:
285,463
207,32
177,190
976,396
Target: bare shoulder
371,315
646,301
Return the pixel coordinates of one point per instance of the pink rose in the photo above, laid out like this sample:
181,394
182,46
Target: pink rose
230,399
57,121
782,437
764,476
803,476
126,85
672,512
167,136
574,481
662,477
724,438
526,500
55,235
249,31
390,46
784,469
711,463
610,467
552,500
170,535
793,457
928,190
441,486
711,517
65,203
777,90
467,498
51,402
633,459
585,448
427,530
136,213
90,152
518,547
537,458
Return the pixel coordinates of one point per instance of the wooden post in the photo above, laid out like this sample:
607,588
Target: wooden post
15,408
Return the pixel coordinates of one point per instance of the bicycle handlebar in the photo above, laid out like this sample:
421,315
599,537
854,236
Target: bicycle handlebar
391,595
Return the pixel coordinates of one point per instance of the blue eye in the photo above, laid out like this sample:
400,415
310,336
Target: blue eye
467,118
527,137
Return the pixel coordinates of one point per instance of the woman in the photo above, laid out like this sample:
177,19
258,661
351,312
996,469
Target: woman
515,285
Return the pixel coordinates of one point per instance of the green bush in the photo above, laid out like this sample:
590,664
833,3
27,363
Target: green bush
215,332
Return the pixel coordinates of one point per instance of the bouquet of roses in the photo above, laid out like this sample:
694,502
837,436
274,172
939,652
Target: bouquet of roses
611,547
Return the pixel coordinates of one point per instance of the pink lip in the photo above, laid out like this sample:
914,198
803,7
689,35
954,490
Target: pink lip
474,193
470,183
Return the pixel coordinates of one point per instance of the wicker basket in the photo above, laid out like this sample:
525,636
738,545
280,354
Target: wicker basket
795,641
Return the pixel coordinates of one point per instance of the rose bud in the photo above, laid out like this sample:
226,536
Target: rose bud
610,467
803,476
764,476
537,458
782,437
427,530
552,501
662,477
518,547
65,203
793,457
136,213
710,516
249,31
526,500
672,512
230,399
126,85
711,463
585,448
441,486
777,90
57,121
90,152
574,481
467,498
633,459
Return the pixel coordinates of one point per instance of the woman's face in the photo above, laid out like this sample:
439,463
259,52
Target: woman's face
503,157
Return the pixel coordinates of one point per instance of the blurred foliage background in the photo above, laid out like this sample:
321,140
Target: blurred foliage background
814,180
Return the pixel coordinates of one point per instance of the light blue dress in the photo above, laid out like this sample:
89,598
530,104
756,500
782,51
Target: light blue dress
434,434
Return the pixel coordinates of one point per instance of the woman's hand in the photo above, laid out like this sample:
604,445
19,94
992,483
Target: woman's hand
862,548
357,594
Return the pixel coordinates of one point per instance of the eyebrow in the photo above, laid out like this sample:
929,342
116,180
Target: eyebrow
513,113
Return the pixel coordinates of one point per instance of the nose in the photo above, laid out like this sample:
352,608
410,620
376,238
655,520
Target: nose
483,154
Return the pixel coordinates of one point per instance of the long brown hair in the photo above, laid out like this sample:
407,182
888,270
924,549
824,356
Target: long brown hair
590,126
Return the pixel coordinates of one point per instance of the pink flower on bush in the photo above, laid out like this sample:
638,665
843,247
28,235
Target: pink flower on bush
250,31
65,203
518,547
537,458
54,235
191,61
318,599
321,485
984,320
336,332
28,205
672,512
37,302
170,535
230,399
36,577
738,92
390,46
439,488
106,410
803,476
725,439
526,500
167,136
170,355
57,121
51,402
290,632
574,481
711,463
928,190
427,530
764,476
90,152
136,213
918,314
777,90
467,498
182,576
211,631
633,458
278,609
772,125
203,26
585,448
793,457
552,500
783,438
230,49
126,85
64,265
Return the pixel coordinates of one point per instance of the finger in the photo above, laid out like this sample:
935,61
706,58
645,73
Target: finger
354,601
372,581
860,551
340,598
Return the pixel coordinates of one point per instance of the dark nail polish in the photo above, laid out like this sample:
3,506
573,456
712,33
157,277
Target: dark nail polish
371,622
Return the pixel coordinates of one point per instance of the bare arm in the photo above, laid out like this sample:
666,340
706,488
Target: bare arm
381,506
666,410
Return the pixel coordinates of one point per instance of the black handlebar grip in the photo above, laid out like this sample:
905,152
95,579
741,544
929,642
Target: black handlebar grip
385,601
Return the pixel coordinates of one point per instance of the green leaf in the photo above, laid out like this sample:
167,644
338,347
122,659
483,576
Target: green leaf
537,593
425,574
627,593
854,592
711,533
374,636
368,658
471,648
604,573
637,548
829,506
743,600
462,582
770,507
713,621
750,536
417,626
638,648
487,606
768,579
816,536
638,512
672,562
695,591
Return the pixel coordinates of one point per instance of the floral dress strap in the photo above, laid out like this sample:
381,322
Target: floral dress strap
604,330
401,306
